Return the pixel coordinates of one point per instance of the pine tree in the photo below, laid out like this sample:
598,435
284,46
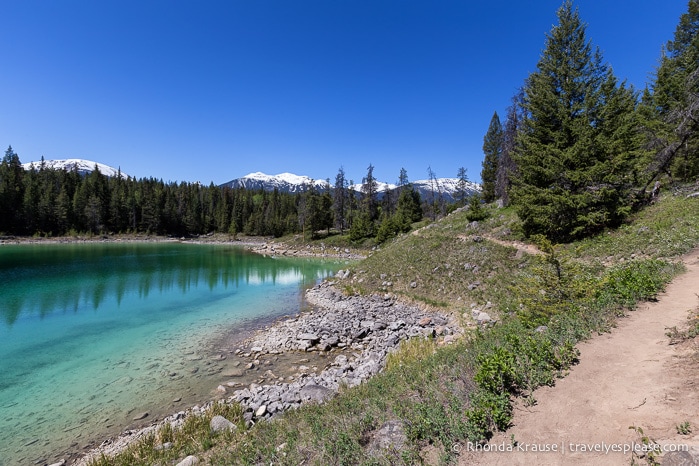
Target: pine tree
673,106
340,201
507,168
435,201
461,186
409,208
403,178
492,148
576,144
369,192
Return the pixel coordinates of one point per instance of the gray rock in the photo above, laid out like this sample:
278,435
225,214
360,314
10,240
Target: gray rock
391,436
235,372
140,416
220,423
60,463
188,461
680,458
316,393
261,411
360,334
312,337
398,324
332,340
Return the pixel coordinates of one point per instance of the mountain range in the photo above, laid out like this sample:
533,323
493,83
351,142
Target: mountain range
81,165
283,182
290,183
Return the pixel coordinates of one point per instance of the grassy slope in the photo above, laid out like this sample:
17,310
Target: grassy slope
446,394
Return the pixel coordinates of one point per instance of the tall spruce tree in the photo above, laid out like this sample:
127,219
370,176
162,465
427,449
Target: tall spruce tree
461,186
370,189
577,140
340,200
506,165
674,103
492,149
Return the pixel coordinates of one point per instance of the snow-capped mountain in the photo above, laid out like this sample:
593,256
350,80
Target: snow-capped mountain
81,165
284,182
381,187
447,187
290,183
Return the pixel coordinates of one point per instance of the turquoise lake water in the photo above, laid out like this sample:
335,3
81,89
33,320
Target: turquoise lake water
93,334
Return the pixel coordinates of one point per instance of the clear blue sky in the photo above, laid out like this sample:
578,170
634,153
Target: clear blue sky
212,90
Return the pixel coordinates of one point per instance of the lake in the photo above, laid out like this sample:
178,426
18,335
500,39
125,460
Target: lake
93,334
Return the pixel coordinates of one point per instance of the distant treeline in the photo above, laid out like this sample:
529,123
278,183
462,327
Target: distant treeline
54,202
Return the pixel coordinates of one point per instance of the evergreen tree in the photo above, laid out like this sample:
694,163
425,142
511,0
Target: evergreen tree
507,168
326,208
409,208
11,192
369,192
576,144
403,178
673,106
352,204
435,201
313,212
340,201
492,148
362,227
461,186
476,211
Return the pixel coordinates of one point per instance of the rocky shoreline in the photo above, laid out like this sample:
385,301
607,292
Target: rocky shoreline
355,333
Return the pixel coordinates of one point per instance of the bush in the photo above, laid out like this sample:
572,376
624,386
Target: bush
638,280
476,210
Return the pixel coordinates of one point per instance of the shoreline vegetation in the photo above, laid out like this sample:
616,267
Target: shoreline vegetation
503,320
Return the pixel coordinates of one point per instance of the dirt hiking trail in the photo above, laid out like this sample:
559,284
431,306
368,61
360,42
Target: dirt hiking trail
629,377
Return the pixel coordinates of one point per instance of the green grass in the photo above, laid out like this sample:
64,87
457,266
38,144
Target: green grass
445,395
666,229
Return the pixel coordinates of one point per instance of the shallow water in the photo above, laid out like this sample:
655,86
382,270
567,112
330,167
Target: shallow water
92,335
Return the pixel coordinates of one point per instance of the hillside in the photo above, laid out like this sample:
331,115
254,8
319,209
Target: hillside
527,314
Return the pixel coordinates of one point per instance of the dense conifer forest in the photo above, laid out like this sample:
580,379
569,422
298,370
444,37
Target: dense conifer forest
53,202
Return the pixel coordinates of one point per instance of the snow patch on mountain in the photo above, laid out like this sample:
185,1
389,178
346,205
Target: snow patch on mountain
81,165
290,183
448,185
283,182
